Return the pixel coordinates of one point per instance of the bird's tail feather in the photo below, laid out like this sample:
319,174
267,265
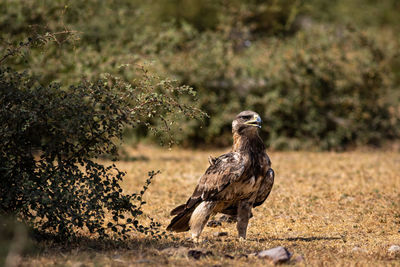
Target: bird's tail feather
180,223
178,209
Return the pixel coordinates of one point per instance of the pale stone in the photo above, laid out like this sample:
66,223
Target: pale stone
277,255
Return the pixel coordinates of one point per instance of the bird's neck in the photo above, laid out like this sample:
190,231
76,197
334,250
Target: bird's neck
250,142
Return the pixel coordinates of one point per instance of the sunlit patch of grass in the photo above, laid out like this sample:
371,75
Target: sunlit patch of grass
331,208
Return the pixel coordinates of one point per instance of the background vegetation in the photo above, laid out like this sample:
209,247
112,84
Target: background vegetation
322,74
77,76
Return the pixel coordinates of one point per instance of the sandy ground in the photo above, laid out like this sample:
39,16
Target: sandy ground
327,209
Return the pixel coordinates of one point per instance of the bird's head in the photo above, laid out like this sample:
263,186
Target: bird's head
246,121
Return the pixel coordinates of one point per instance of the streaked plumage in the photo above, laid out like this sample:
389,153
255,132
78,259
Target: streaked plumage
233,184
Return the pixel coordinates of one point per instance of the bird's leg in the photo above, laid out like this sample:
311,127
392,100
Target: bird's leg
244,211
200,217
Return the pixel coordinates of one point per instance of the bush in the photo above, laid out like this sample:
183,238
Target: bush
231,54
325,88
51,136
260,16
386,14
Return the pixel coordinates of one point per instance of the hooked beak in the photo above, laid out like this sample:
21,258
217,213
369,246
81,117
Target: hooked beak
256,121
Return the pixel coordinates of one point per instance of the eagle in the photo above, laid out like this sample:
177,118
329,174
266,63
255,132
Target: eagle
233,184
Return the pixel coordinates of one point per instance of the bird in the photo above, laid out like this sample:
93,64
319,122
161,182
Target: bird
233,183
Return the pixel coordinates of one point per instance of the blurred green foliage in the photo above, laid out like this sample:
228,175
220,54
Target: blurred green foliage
323,74
361,13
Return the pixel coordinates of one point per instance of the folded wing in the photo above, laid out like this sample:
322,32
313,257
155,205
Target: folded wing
224,171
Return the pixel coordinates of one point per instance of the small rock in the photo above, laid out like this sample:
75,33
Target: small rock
277,255
197,254
217,234
394,248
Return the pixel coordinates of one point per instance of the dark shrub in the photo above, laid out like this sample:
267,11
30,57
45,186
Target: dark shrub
52,135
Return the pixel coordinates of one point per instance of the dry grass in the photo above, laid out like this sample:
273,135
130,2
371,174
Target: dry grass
332,208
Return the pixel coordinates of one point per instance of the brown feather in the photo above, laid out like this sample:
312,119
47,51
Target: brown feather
180,223
178,209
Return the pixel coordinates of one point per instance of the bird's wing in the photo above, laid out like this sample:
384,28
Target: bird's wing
265,188
226,169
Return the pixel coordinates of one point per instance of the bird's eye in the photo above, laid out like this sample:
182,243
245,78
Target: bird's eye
246,117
